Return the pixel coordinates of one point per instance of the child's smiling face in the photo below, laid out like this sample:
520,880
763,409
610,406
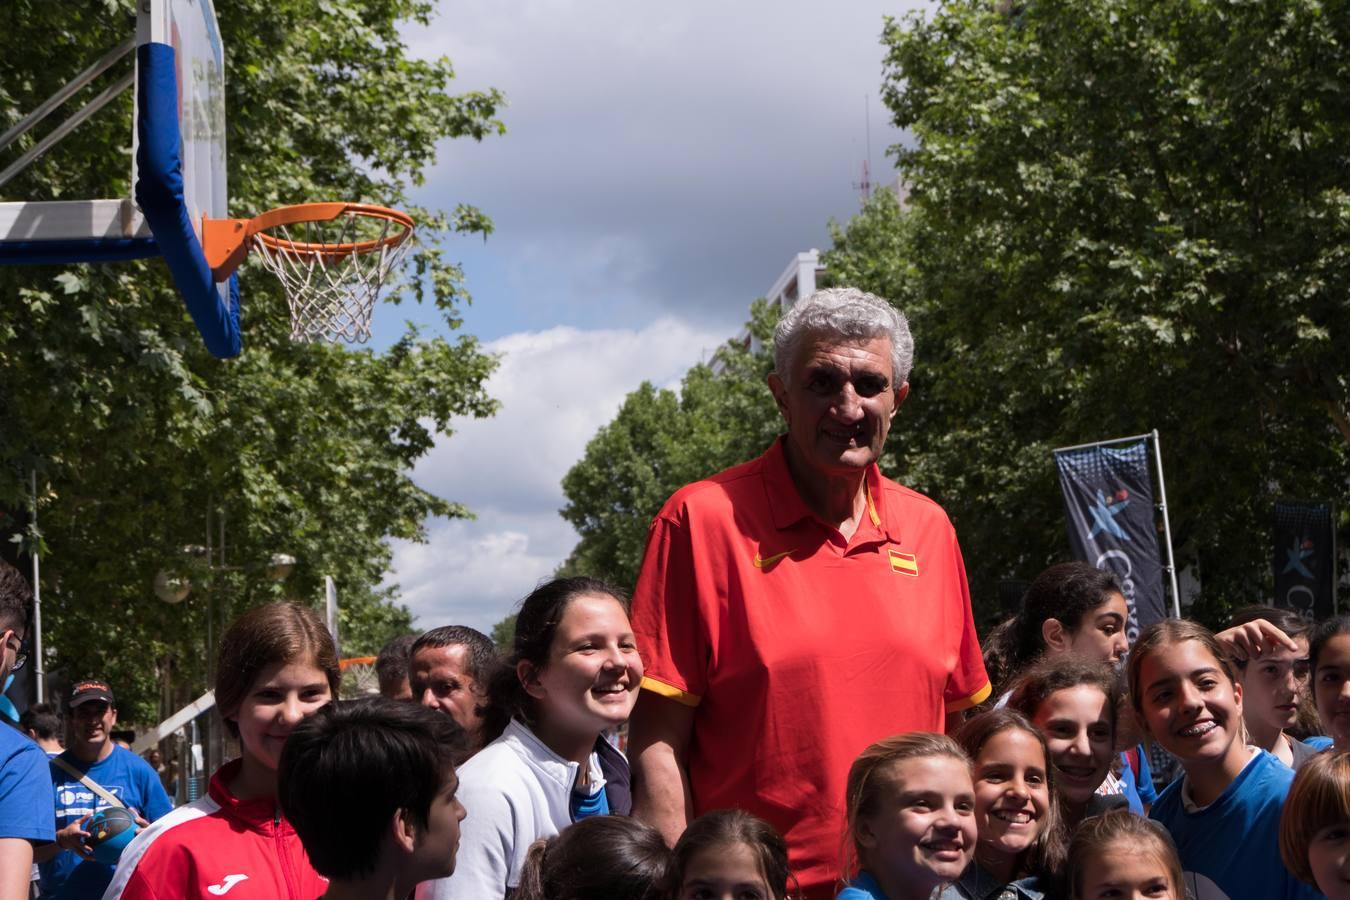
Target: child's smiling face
923,829
1190,704
1012,792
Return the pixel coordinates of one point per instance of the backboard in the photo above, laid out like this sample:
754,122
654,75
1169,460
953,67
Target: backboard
190,28
178,167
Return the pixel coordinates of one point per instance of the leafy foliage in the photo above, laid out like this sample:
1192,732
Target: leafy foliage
660,441
1127,215
1124,215
136,433
504,634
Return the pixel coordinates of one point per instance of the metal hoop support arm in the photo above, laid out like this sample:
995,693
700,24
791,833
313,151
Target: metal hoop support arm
225,241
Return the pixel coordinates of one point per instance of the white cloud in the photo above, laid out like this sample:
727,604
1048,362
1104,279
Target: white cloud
662,164
715,138
557,387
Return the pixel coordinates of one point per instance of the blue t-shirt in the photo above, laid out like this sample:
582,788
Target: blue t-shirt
1230,850
128,778
1141,791
1144,786
864,887
25,789
1318,742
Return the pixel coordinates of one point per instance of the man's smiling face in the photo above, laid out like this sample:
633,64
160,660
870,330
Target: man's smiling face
838,402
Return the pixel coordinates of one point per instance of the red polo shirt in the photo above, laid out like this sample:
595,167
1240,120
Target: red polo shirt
798,648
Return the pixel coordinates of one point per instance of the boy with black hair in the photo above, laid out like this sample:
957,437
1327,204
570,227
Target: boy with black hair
369,786
42,723
26,815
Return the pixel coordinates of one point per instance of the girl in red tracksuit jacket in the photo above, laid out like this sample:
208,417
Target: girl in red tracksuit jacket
277,665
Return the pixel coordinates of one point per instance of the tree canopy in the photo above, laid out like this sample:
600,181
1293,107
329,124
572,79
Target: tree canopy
1122,215
1129,215
136,432
661,440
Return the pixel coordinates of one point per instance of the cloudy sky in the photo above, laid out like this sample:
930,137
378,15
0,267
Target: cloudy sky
661,167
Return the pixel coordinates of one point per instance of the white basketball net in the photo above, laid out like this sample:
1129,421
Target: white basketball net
359,680
332,294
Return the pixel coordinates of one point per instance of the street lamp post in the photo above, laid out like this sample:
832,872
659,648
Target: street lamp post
174,588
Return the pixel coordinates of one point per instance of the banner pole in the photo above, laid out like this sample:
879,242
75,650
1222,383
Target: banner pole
331,606
38,673
1133,437
1335,565
1167,526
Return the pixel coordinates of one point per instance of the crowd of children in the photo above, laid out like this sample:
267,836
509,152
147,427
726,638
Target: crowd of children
1032,798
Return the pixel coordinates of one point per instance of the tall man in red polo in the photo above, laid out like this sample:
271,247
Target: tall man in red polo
798,607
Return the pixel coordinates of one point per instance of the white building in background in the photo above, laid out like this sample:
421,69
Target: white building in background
797,281
800,279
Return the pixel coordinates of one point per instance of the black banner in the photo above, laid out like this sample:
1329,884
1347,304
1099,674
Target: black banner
1305,559
1108,496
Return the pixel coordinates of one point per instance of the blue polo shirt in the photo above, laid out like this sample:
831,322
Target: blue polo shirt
25,789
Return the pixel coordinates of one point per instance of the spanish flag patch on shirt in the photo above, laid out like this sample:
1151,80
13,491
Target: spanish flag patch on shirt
903,563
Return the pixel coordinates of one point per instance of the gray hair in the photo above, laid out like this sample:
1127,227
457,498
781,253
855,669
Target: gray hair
846,313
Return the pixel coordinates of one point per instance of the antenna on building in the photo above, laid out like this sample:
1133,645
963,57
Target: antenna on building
865,186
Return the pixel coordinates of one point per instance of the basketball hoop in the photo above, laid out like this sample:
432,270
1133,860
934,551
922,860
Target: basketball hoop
359,678
331,259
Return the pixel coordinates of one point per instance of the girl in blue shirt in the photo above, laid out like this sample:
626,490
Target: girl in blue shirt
1224,813
911,817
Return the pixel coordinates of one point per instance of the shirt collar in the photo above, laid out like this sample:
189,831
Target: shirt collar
1187,800
788,507
979,884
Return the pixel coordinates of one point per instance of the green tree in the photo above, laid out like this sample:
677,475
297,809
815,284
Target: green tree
504,634
1127,214
660,441
136,433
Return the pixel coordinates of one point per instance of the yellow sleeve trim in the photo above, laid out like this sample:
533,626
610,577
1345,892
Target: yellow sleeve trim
674,693
974,699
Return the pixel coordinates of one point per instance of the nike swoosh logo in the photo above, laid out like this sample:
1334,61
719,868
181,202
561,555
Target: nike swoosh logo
226,883
762,563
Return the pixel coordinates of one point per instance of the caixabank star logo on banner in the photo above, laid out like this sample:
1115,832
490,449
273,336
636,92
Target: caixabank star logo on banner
1305,559
1108,497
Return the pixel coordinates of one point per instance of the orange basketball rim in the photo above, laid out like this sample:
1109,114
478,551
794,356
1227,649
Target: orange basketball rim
225,242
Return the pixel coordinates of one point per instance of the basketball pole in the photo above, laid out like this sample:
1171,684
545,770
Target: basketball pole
331,607
38,673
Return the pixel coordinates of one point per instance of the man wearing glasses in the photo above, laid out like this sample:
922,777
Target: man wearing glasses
26,818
